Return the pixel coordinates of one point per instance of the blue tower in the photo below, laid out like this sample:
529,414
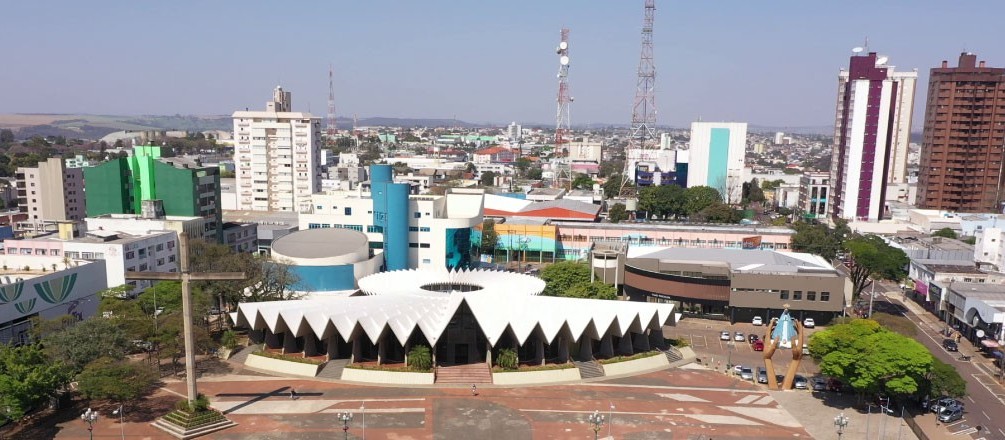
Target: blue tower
390,213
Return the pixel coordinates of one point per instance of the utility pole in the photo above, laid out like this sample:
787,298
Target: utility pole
643,131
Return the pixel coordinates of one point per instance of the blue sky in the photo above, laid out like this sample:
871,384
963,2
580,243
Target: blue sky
771,62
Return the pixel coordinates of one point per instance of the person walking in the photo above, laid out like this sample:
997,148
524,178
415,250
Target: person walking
474,390
293,394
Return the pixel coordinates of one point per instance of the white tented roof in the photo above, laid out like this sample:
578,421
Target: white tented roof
397,301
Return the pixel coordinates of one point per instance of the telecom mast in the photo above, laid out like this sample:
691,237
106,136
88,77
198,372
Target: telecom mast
643,132
330,128
560,160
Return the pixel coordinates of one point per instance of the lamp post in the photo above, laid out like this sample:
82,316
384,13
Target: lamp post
840,422
362,410
90,417
597,420
345,418
122,428
610,421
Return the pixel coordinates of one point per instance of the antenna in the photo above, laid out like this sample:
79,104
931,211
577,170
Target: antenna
643,131
857,50
562,116
330,128
882,60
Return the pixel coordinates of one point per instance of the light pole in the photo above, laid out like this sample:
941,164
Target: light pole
597,420
122,428
840,422
345,418
90,417
872,297
610,421
362,410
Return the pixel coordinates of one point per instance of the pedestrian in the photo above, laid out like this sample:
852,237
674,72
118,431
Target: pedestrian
293,394
474,390
958,337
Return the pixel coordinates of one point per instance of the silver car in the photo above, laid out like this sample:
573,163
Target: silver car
800,382
746,373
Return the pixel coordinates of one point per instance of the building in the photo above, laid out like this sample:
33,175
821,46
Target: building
514,132
241,237
50,193
978,311
327,260
961,152
932,278
493,155
413,231
184,187
717,156
925,247
813,187
547,204
277,154
151,218
872,126
269,227
736,284
77,161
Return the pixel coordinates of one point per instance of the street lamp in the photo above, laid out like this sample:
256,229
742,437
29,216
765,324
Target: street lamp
840,422
345,418
597,420
122,427
90,417
610,421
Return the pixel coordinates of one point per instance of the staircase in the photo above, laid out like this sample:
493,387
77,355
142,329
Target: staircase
242,355
464,374
673,354
589,369
333,369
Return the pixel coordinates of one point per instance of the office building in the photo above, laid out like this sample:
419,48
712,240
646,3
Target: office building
50,193
872,123
716,157
813,187
277,156
186,189
962,148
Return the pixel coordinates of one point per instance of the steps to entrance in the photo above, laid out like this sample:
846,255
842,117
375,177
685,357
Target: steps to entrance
673,355
242,355
464,374
589,369
333,369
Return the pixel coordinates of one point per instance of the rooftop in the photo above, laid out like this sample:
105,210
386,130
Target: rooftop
742,260
670,226
320,243
276,219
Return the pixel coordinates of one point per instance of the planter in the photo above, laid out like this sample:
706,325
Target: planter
387,377
655,362
281,366
536,377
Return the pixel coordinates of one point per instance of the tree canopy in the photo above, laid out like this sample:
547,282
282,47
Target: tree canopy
28,378
571,279
820,239
617,213
946,233
871,257
490,238
697,198
83,342
665,201
113,379
582,181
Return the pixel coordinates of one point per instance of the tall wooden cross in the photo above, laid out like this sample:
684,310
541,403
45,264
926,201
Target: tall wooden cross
186,277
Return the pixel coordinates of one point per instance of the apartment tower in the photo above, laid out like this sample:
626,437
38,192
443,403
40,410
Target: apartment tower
872,127
961,153
50,192
277,156
717,154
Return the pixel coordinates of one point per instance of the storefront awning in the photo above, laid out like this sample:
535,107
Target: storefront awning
989,343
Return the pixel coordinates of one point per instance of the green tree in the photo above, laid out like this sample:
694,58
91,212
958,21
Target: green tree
946,233
662,201
490,238
769,185
944,380
819,239
28,378
897,324
561,276
612,187
81,343
267,279
594,290
488,178
872,258
617,213
112,379
522,165
719,213
535,173
6,136
697,198
582,181
170,340
420,358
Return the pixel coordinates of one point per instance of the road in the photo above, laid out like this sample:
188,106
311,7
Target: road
986,396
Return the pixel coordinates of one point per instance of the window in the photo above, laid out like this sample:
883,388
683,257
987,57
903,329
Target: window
413,229
797,295
424,229
811,296
143,267
313,225
418,215
160,261
348,210
784,295
160,247
423,245
825,296
425,261
170,258
413,245
39,251
54,252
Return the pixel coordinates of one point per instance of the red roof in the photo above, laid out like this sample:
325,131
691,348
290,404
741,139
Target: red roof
493,150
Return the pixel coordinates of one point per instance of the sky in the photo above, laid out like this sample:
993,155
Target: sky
770,62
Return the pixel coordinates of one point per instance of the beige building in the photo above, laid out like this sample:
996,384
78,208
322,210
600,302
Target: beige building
50,193
277,156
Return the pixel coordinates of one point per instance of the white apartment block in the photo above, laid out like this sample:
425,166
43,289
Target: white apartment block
716,156
50,192
277,157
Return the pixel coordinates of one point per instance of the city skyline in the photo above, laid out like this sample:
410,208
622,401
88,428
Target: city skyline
768,65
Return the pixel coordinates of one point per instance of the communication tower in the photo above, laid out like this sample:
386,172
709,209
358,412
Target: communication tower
643,138
330,128
560,159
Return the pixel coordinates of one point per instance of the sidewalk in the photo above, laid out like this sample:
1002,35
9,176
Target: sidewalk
933,325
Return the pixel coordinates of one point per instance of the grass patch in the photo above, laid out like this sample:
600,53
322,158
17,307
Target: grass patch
679,343
395,368
191,420
633,357
291,358
528,368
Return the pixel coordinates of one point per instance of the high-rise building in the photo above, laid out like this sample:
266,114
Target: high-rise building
50,192
717,153
120,186
277,156
813,187
514,132
873,116
962,149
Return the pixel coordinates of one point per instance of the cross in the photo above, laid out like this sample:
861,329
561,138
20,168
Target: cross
185,277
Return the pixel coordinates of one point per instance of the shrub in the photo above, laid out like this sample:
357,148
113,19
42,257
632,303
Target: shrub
290,358
633,357
419,358
507,359
229,340
679,342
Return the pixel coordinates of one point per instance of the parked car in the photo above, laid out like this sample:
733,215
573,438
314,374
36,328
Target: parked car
950,345
758,345
818,383
739,337
746,373
757,321
800,382
751,338
835,385
809,323
762,375
806,349
950,415
946,403
724,336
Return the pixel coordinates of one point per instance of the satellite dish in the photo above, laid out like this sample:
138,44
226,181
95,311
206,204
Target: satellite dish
857,49
980,333
882,60
564,60
563,45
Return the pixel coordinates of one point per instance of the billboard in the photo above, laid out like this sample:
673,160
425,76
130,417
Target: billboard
751,242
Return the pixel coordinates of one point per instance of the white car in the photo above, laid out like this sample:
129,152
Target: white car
739,337
724,336
757,321
809,323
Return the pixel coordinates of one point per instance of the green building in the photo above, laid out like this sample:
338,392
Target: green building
186,188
